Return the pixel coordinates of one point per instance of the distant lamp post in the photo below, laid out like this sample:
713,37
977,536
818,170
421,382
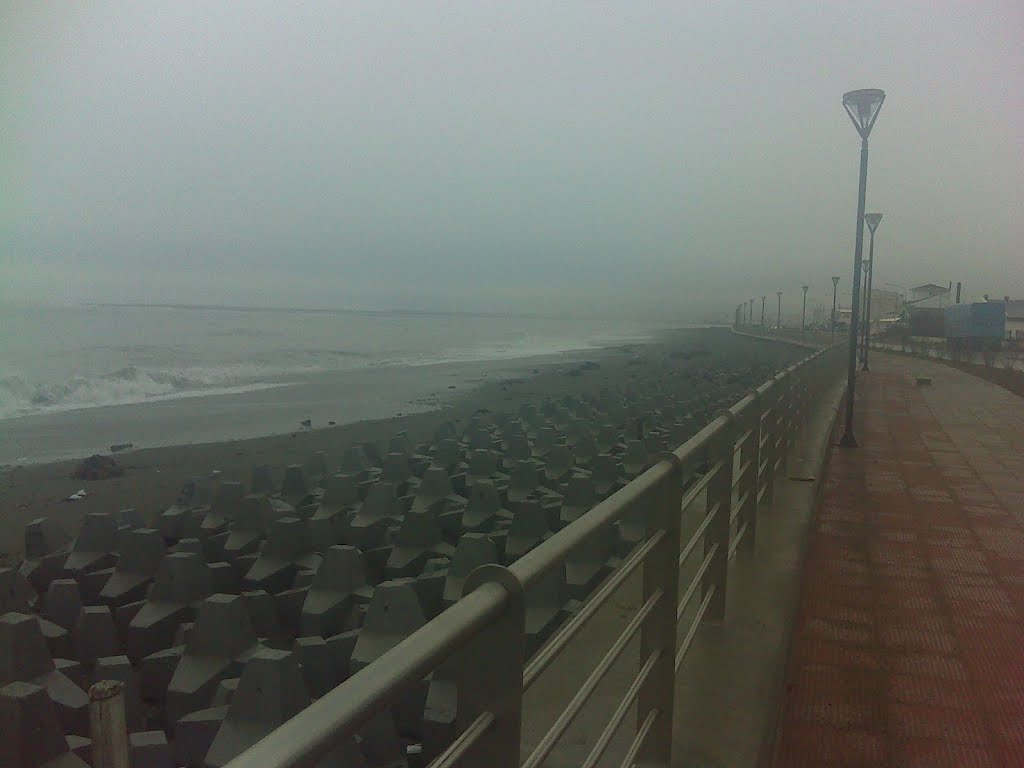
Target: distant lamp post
762,310
865,266
778,321
835,288
863,107
803,312
872,220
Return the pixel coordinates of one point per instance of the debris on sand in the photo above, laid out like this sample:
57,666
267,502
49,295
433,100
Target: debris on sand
77,495
580,369
97,467
120,447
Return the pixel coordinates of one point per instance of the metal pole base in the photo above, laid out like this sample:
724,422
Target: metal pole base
848,441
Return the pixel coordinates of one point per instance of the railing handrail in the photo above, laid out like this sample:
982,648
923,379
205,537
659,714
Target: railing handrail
324,724
339,714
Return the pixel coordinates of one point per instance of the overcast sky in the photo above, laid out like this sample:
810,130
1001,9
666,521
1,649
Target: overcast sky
632,157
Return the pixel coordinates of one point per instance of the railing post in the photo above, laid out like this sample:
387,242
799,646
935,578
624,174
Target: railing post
721,450
658,632
750,458
770,435
108,728
490,675
787,418
797,414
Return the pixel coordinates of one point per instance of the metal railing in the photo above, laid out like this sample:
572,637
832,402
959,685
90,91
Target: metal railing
741,450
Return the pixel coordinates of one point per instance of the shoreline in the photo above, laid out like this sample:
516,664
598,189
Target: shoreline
154,476
271,409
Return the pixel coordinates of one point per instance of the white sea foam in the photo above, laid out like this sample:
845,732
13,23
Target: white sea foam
21,395
72,358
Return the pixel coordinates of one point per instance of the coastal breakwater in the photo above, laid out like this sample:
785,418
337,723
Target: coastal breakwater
229,611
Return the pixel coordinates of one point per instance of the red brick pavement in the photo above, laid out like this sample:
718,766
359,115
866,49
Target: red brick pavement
909,648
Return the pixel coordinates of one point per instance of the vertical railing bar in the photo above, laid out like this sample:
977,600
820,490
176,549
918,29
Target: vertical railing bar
719,498
696,535
620,712
543,658
458,748
692,631
543,749
737,539
694,582
638,742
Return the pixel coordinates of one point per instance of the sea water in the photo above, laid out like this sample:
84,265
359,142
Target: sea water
123,361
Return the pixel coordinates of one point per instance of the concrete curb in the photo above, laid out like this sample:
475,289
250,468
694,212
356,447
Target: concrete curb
780,340
770,739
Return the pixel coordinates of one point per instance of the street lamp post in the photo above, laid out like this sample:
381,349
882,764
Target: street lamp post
872,220
762,310
835,287
803,312
863,107
865,265
778,321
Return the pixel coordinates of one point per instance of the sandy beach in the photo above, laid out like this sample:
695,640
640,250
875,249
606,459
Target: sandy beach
368,403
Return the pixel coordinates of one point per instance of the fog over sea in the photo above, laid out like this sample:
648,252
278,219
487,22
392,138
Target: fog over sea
58,363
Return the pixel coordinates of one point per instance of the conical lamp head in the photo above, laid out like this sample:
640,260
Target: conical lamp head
863,106
872,220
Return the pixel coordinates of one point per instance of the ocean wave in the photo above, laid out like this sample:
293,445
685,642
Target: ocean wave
21,395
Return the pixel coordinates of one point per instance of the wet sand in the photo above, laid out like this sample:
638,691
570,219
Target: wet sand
152,477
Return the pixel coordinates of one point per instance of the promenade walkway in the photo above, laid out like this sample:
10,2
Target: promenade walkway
909,647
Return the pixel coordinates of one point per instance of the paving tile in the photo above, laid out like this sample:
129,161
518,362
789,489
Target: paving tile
921,721
943,754
909,649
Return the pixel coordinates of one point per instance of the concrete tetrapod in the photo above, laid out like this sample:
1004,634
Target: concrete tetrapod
142,551
32,735
435,494
288,549
528,529
331,596
588,563
484,508
416,541
16,593
46,545
328,524
182,581
579,498
270,691
92,553
220,643
24,658
393,614
63,602
247,529
227,500
380,510
95,634
472,551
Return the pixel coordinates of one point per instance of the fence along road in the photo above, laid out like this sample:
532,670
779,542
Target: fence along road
740,453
